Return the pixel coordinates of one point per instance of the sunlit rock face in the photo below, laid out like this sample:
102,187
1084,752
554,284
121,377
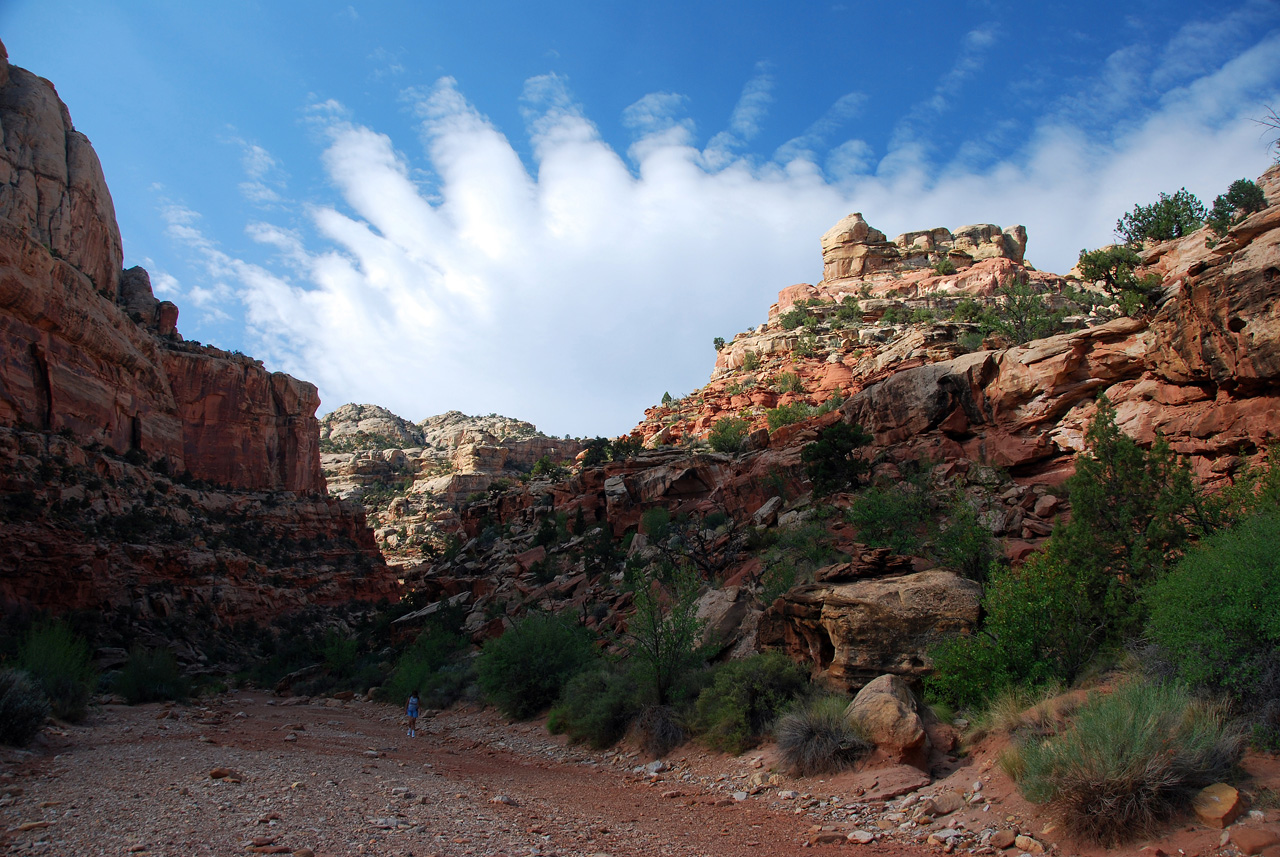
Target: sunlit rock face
142,473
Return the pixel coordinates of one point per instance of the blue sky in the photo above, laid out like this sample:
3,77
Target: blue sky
549,210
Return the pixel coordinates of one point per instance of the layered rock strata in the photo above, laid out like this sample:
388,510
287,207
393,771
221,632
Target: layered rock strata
128,452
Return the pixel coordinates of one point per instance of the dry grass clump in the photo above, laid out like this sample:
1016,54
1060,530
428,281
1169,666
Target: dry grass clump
659,730
1128,762
1041,711
817,739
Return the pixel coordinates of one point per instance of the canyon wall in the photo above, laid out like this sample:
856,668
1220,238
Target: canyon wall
133,462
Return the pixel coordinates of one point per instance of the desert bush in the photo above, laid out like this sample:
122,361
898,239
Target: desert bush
1115,268
60,663
1129,761
1217,613
792,319
944,267
788,382
596,707
792,556
728,435
816,738
1242,198
849,312
891,516
659,729
744,698
151,675
970,340
830,461
1025,314
523,671
664,632
435,664
964,543
750,361
718,342
1171,216
785,415
23,708
806,346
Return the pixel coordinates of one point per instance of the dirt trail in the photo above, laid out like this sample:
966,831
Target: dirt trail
342,778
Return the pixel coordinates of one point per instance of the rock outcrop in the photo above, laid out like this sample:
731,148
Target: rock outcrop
850,633
879,342
411,476
142,474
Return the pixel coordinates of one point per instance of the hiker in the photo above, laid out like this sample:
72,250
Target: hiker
411,710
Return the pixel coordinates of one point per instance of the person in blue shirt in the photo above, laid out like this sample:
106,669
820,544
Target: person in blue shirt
411,710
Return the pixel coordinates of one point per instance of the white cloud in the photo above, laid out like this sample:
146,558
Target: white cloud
575,293
265,180
744,123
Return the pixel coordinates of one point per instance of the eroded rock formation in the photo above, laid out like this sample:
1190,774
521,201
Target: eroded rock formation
142,474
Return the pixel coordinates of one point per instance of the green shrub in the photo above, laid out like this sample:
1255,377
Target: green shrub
750,361
718,342
970,341
1243,198
1115,267
60,663
435,664
729,434
655,522
965,543
151,675
596,707
944,267
664,633
788,382
849,312
895,315
792,557
744,699
1024,314
806,346
340,652
830,461
785,415
1129,761
817,739
523,671
23,708
892,516
1171,216
1034,634
792,319
1217,613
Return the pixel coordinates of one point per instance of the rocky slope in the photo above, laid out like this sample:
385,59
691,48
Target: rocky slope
410,477
876,343
142,476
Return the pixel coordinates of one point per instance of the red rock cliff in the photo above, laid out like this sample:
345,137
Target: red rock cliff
87,348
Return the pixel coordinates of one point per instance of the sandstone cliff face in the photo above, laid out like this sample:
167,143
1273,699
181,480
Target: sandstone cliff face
102,405
88,348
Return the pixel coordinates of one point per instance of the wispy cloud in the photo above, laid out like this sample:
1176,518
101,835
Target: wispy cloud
974,46
574,290
744,123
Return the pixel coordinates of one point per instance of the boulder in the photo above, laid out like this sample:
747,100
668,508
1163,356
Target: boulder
886,713
1217,805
